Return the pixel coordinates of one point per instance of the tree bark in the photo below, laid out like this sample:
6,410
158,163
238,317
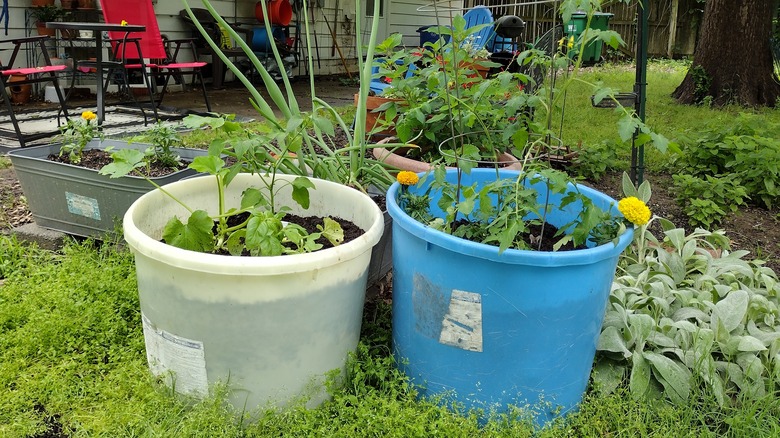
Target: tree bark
733,62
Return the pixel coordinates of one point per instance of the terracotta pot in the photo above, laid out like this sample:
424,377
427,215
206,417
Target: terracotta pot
86,4
68,4
482,71
43,30
20,94
42,2
507,161
373,118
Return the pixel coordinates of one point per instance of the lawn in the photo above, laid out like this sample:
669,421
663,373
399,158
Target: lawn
72,360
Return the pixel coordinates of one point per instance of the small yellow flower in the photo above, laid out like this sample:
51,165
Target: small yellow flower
571,42
561,41
88,115
634,210
123,23
407,178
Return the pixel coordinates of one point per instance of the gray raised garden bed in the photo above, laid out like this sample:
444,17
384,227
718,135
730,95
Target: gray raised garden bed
80,201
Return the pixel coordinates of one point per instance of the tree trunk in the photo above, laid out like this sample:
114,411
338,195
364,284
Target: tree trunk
733,58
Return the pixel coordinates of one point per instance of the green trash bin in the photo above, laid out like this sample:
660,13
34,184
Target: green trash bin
576,26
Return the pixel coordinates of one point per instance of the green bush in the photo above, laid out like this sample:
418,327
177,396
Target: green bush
706,201
746,153
594,161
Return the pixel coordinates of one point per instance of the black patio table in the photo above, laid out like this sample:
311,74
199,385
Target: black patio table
97,31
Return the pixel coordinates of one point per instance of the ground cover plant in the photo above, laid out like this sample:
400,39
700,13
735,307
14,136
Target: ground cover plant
72,363
72,360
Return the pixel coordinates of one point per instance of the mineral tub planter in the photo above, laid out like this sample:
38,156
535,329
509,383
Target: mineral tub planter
490,330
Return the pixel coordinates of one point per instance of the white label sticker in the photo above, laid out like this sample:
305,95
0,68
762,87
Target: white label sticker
83,206
180,361
462,325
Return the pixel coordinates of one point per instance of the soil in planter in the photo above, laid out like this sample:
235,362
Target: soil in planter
96,158
540,238
309,223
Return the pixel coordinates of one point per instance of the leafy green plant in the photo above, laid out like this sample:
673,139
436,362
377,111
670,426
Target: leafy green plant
505,211
256,227
45,13
741,150
702,82
685,313
75,135
707,201
595,160
163,138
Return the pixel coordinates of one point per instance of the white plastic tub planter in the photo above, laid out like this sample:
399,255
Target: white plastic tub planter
80,201
270,328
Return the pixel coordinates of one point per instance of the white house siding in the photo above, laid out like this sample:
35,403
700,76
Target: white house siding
401,16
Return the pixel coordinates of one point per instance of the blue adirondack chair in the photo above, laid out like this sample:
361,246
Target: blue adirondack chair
474,17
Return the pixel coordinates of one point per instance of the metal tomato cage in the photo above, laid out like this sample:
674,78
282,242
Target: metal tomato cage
507,28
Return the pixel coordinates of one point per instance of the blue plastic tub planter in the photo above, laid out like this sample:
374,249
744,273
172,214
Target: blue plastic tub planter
80,201
488,330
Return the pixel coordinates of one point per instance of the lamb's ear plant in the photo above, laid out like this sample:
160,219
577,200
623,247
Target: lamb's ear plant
686,312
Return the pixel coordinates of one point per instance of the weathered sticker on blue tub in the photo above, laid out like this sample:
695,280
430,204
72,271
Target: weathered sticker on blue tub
462,325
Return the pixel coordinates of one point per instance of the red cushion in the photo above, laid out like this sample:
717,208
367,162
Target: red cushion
177,65
129,66
33,70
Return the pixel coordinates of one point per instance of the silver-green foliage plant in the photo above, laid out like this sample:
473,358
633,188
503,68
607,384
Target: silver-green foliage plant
685,311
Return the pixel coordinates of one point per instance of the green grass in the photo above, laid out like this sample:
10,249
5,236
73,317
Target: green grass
585,125
5,162
72,353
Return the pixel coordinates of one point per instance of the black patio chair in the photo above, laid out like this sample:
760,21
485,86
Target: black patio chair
47,73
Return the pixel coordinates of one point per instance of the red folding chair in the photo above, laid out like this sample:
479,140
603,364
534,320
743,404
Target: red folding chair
32,75
131,51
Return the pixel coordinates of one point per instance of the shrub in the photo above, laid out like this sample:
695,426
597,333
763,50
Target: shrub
706,201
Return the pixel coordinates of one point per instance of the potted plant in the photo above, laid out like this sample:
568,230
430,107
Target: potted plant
501,277
270,327
390,67
43,14
349,162
64,195
447,97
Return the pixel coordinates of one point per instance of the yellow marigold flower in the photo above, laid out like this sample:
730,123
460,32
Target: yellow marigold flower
571,42
634,210
123,23
407,178
88,115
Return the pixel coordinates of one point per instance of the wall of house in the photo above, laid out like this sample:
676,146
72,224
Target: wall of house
331,22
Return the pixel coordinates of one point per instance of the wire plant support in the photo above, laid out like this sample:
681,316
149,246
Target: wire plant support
444,9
